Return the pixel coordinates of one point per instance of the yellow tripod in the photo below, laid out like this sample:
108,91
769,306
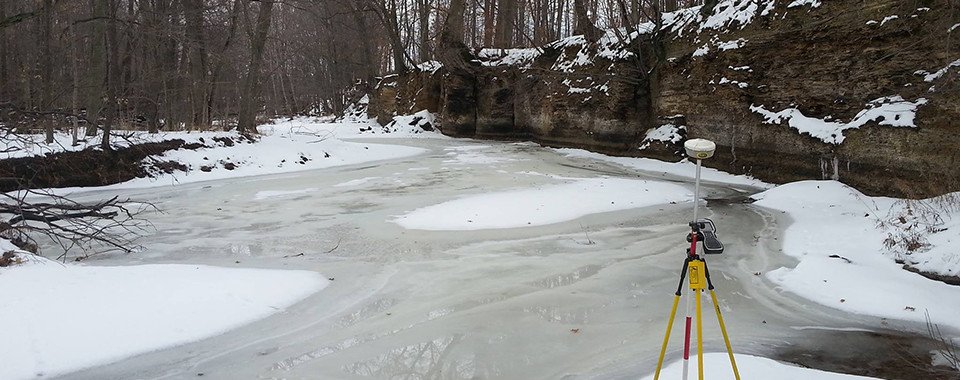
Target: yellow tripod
699,280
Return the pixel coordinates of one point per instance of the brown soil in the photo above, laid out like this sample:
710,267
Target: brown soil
885,355
89,167
9,258
951,280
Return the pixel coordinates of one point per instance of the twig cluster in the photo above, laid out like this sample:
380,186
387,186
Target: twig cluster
103,226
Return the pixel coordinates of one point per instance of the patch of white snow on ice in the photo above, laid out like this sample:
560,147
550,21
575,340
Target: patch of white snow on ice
474,155
61,318
267,194
356,182
546,205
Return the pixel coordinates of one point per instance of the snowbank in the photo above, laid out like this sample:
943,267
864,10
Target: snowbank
547,205
717,367
285,146
61,318
844,263
415,125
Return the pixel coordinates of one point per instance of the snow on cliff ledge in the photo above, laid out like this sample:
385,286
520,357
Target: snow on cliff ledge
892,111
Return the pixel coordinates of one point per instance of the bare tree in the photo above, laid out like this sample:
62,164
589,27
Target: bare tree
584,25
506,11
258,41
3,52
46,65
197,60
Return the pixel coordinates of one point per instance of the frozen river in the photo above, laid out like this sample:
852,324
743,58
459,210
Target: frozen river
586,298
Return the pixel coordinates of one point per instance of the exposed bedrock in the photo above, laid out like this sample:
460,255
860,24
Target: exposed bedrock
841,90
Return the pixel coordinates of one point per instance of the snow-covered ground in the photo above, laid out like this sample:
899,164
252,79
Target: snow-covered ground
586,266
286,145
717,367
838,236
60,318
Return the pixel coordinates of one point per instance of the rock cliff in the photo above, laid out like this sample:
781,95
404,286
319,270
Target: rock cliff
861,91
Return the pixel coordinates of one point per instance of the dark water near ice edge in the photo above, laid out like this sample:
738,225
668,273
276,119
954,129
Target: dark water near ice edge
576,300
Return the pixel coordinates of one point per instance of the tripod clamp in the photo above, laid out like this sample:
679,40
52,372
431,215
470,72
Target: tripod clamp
696,280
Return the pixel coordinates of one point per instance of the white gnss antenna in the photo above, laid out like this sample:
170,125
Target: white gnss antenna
700,149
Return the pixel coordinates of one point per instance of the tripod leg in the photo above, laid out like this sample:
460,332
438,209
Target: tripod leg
666,338
699,337
726,339
723,328
673,313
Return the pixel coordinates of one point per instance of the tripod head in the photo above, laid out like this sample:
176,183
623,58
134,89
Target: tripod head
706,232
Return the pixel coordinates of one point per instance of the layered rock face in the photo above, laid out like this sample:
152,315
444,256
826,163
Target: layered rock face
863,92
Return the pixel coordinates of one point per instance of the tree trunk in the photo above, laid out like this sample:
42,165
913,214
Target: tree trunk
221,59
583,25
46,80
520,24
559,21
541,25
424,15
197,56
368,70
96,75
248,93
75,96
506,13
113,74
4,79
488,15
396,43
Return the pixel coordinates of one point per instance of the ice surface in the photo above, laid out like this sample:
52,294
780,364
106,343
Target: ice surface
682,168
